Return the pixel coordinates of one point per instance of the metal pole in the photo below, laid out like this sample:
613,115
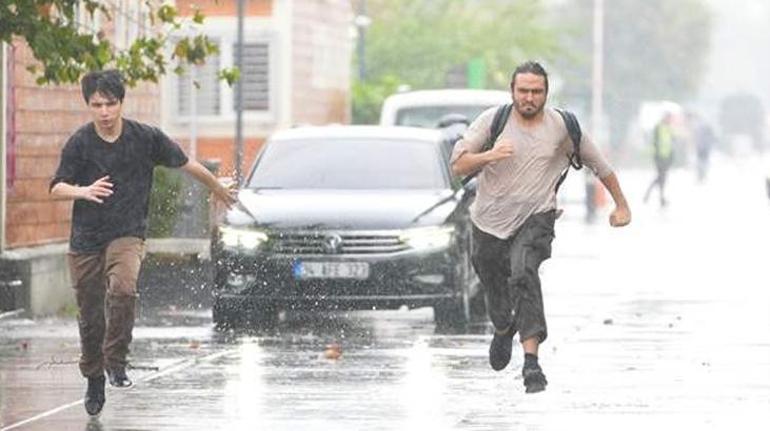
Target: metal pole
597,108
598,70
361,41
239,96
5,81
193,113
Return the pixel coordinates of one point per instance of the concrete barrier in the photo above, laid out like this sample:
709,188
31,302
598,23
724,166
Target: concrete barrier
37,280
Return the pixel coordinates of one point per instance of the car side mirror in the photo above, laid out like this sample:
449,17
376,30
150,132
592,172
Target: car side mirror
471,185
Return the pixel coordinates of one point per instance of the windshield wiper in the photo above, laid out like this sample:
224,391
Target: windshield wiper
442,201
243,208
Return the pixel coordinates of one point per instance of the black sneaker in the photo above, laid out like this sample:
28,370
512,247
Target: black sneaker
94,400
534,379
118,377
500,349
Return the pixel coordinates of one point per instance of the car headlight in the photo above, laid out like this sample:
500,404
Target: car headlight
428,237
241,239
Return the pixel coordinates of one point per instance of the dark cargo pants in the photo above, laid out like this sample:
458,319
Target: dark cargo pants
105,289
508,270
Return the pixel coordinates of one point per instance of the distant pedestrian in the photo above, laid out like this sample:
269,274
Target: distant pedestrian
106,167
663,153
515,210
704,139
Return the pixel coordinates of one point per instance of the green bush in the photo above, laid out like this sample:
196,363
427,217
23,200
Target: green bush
165,199
368,97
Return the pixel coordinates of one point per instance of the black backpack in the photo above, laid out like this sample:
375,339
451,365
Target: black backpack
573,128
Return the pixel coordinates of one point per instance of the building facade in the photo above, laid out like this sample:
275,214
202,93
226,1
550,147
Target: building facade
296,70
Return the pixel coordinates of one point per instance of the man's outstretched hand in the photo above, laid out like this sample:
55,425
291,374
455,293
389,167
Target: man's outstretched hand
98,191
621,216
227,193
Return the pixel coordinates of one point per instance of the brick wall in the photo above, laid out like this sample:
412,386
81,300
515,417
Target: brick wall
319,82
225,7
44,119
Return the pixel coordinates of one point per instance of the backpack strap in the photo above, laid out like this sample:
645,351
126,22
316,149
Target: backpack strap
498,124
575,135
573,129
495,129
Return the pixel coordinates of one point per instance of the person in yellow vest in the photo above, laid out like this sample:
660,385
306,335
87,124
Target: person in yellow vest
663,146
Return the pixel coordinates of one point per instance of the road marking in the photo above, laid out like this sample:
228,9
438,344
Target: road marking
179,366
12,313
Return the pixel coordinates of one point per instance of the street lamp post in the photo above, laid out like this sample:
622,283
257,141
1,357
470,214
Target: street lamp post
362,21
598,69
593,190
239,96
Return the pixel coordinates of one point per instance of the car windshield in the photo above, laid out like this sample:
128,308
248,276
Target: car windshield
429,116
350,164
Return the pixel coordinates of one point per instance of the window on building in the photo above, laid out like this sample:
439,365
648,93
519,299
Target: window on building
216,100
131,19
255,76
86,22
207,91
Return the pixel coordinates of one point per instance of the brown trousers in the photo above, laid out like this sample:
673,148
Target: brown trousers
105,288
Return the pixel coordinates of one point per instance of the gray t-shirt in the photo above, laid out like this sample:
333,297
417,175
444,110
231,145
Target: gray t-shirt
512,189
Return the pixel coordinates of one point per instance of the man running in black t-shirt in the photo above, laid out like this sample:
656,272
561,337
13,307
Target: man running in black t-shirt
106,167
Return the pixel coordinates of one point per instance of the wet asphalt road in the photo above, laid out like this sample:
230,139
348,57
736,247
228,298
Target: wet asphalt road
665,324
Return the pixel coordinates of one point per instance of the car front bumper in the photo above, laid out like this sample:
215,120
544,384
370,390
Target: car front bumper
411,278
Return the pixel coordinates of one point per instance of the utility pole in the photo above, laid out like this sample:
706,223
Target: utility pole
362,21
239,97
593,191
597,93
4,79
193,112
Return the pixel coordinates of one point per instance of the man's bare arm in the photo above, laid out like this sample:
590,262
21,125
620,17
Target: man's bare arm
226,194
469,163
621,216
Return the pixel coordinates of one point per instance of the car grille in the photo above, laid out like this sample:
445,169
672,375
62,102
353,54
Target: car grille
322,243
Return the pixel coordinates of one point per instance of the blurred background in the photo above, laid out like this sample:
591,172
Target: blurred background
619,65
665,319
634,59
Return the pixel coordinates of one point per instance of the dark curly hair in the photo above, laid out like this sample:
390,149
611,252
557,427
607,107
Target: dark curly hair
532,67
106,82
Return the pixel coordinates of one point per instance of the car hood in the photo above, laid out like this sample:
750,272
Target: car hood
342,209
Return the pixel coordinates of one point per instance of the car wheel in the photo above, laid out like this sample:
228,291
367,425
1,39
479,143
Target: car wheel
477,308
460,313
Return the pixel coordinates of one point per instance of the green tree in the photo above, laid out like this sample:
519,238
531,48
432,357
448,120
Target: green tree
418,42
654,49
66,49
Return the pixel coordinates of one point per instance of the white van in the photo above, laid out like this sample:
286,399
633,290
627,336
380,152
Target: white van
425,108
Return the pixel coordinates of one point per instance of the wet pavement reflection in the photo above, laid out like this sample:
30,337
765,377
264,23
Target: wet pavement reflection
655,326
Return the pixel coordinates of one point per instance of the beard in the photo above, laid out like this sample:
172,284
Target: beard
528,110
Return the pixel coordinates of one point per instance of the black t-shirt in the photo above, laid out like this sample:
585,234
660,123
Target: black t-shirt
129,162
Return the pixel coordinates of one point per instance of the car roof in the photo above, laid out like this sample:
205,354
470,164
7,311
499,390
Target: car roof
448,97
360,132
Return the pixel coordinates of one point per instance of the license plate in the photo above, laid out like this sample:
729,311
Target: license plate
348,270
